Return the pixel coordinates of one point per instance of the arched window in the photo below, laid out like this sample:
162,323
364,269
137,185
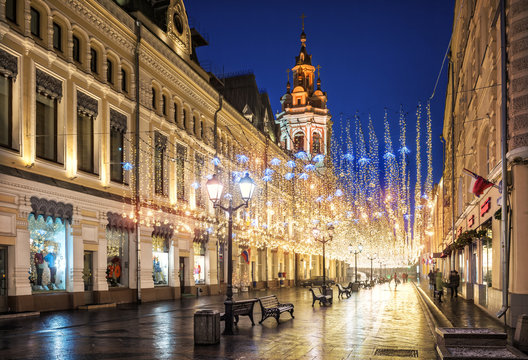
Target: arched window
316,143
298,141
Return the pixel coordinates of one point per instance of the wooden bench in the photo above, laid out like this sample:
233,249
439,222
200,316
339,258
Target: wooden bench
318,296
343,291
242,308
270,306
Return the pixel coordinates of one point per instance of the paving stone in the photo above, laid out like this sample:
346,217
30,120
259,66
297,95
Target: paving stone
349,329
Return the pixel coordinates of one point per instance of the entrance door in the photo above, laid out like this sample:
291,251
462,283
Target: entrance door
182,275
88,277
3,279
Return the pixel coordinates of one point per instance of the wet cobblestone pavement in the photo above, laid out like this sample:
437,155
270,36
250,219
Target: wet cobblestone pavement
376,321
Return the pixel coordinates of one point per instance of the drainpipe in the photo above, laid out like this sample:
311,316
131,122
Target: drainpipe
505,258
220,103
453,231
136,190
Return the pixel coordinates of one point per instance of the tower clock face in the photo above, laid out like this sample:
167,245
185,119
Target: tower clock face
178,23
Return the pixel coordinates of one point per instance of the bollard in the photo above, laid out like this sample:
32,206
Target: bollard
520,339
206,327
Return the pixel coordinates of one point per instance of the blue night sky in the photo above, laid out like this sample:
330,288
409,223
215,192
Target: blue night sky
373,55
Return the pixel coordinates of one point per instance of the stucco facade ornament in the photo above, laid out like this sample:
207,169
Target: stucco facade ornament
118,121
163,231
51,208
178,26
8,64
48,86
86,104
161,141
118,222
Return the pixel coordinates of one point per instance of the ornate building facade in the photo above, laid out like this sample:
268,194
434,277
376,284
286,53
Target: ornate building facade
469,231
110,128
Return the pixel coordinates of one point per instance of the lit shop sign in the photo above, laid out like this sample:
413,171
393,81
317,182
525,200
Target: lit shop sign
484,208
471,221
459,231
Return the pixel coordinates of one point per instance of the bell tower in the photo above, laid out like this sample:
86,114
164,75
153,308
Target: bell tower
304,118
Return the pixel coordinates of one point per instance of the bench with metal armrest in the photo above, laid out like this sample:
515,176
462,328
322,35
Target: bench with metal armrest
270,306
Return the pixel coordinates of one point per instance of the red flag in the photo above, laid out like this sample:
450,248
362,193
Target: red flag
478,184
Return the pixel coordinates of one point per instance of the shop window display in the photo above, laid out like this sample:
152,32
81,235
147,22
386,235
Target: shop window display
117,258
199,263
47,239
160,261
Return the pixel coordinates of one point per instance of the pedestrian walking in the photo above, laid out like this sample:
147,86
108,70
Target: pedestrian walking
454,282
431,277
396,281
439,285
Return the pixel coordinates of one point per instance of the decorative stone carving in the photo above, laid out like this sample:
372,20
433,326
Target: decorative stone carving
48,86
177,25
163,231
8,64
161,141
86,104
46,208
118,222
118,121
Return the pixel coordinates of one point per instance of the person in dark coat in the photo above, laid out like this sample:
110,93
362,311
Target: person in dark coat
439,285
454,282
431,279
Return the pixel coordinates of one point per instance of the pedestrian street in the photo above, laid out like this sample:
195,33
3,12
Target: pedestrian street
377,321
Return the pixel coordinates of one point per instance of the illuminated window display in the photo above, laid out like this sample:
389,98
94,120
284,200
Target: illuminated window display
47,242
199,263
117,258
160,261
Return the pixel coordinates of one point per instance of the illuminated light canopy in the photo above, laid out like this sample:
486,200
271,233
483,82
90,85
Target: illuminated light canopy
291,164
363,161
309,167
303,176
289,176
195,185
127,166
216,161
348,157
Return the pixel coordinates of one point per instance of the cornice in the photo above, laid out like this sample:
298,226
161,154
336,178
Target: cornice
105,27
164,72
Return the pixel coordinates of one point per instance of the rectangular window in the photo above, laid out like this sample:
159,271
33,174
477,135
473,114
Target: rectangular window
487,254
6,116
181,153
57,37
93,60
35,22
11,10
109,72
117,258
154,98
164,104
76,49
159,156
85,143
175,113
160,261
199,263
46,128
124,81
116,155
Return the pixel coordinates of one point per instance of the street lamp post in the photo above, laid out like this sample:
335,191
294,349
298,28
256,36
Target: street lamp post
324,240
371,257
356,252
214,188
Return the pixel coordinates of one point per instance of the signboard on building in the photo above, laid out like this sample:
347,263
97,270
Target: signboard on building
471,221
484,208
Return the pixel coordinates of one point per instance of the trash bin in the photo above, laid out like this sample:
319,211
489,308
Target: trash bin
206,327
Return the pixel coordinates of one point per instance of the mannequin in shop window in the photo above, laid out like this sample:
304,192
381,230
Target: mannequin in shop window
50,258
39,265
158,273
113,271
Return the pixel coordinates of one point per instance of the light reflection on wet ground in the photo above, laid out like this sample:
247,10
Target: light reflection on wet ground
349,329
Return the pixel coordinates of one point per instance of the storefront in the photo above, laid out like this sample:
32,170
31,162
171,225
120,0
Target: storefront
161,264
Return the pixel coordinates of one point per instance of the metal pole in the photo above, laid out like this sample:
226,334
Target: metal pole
136,170
452,152
505,241
324,268
371,261
229,293
355,266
